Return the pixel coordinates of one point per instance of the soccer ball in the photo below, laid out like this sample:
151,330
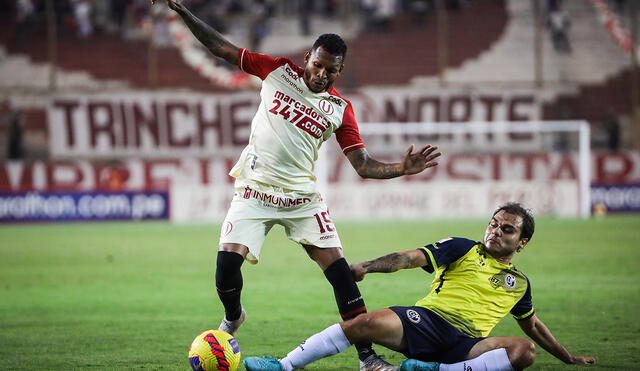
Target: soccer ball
214,350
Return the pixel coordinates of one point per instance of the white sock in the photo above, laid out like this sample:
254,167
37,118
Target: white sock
328,342
495,360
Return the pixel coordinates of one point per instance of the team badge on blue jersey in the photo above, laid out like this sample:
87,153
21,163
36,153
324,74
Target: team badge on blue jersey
413,316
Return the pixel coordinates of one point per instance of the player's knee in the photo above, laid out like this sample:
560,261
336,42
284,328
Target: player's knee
358,329
228,269
529,353
523,354
362,322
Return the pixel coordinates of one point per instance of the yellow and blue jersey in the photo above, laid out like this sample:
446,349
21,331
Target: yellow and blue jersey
472,290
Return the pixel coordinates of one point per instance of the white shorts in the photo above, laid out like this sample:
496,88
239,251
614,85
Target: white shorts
257,207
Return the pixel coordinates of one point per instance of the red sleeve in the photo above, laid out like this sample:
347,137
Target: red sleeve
348,135
257,64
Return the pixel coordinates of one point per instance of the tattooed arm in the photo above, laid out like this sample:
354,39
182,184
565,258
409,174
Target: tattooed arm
412,163
389,263
210,38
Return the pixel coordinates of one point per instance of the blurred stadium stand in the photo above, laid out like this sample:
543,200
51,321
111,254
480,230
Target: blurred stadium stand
411,42
488,42
558,56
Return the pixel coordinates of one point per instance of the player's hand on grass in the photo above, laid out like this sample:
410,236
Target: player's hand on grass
580,360
413,163
358,271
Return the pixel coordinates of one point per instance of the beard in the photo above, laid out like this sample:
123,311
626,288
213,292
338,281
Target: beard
315,85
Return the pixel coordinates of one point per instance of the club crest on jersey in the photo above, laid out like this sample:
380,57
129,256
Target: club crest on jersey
510,281
505,279
326,107
413,316
227,228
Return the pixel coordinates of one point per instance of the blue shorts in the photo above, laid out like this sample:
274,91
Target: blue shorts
432,339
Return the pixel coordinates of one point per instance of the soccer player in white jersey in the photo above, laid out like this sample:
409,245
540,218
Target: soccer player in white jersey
275,182
475,285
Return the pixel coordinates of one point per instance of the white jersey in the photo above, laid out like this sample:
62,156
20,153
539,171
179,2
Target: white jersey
290,125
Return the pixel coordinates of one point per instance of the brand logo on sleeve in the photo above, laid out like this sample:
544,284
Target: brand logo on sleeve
291,73
335,100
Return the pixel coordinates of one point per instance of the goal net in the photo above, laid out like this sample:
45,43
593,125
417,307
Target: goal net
545,165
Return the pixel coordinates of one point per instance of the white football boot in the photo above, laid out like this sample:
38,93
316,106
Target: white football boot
231,327
375,363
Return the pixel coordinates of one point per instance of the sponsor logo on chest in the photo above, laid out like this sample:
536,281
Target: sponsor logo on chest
292,78
301,114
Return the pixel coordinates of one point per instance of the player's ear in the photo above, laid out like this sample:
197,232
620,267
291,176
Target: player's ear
522,243
307,55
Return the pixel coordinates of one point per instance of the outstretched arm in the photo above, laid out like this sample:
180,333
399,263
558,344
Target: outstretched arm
210,38
541,334
389,263
412,163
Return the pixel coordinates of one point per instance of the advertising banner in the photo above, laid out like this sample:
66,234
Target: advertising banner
201,188
163,173
395,199
83,206
152,125
616,197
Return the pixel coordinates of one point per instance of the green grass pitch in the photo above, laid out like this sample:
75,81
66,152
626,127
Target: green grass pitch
133,296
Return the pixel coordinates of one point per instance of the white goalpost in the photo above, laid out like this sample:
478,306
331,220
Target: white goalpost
544,164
